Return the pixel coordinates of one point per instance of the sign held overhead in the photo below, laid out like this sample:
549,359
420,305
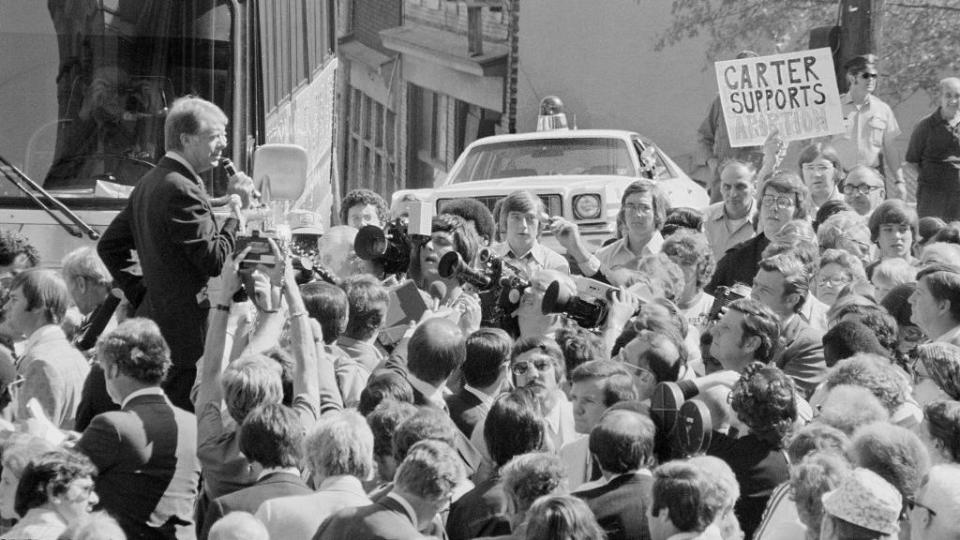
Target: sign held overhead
794,93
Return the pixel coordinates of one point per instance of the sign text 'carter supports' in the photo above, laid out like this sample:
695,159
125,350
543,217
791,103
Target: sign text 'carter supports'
794,93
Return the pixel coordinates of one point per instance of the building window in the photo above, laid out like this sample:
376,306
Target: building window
371,152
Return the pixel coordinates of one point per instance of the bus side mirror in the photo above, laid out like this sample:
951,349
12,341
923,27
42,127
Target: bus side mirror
280,171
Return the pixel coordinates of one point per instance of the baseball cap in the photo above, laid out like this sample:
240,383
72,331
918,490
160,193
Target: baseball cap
305,222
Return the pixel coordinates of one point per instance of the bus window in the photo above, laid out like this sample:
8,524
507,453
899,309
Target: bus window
91,82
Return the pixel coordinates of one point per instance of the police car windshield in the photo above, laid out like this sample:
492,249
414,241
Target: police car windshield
544,157
85,96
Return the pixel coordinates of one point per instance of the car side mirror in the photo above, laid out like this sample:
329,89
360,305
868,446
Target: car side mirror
280,171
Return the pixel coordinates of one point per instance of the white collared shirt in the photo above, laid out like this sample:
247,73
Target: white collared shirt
618,254
536,258
486,400
560,424
407,507
720,234
289,470
38,335
433,394
148,391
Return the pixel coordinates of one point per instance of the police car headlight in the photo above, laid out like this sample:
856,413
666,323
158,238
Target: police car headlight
586,207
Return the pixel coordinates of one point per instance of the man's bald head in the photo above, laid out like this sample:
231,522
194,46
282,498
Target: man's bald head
950,83
623,441
436,349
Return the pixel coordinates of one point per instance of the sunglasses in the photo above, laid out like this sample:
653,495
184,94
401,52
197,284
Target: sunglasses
913,503
868,76
521,368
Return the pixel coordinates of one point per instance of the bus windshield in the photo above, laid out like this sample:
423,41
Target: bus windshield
85,86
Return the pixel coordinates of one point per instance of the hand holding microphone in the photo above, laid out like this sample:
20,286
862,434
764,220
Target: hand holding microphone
241,184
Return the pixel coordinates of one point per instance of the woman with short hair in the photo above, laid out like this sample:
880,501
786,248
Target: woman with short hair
55,492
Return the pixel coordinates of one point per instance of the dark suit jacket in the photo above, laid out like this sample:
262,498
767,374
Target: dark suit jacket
739,264
480,512
94,398
169,222
802,355
385,520
472,459
147,457
620,506
466,410
249,499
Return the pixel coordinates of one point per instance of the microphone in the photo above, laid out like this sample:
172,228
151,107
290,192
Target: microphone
231,170
438,291
98,321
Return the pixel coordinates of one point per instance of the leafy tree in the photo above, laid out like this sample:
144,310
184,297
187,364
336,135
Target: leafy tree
920,40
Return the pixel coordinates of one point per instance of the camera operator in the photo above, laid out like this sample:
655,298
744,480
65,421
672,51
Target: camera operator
531,320
449,233
521,215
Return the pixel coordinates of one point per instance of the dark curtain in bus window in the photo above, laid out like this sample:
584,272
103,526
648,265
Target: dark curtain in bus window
121,64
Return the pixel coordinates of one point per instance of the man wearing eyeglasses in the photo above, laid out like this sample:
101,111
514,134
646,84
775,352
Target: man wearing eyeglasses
537,363
863,189
936,505
870,126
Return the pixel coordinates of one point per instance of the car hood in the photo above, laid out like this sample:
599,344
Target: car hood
680,191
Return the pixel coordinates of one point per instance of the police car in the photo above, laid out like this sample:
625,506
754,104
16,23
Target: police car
579,174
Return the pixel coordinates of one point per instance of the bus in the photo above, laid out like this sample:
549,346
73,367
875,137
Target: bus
85,86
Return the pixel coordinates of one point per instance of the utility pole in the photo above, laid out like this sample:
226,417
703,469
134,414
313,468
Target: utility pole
860,31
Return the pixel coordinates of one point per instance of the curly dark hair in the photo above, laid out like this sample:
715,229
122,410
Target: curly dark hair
765,400
138,349
943,422
12,244
364,197
50,473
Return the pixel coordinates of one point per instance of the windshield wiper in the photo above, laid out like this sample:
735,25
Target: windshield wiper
18,179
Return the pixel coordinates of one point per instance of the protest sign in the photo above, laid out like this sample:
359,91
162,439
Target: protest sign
794,93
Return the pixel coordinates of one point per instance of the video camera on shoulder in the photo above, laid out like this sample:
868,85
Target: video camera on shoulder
588,307
390,247
723,296
491,275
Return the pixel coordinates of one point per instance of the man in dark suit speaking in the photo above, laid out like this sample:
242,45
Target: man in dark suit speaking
166,244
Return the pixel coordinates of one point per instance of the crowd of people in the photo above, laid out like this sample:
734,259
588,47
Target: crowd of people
810,324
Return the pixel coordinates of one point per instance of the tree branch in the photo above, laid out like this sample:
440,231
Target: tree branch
926,6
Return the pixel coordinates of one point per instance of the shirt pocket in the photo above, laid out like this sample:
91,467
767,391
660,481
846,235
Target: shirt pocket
875,130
